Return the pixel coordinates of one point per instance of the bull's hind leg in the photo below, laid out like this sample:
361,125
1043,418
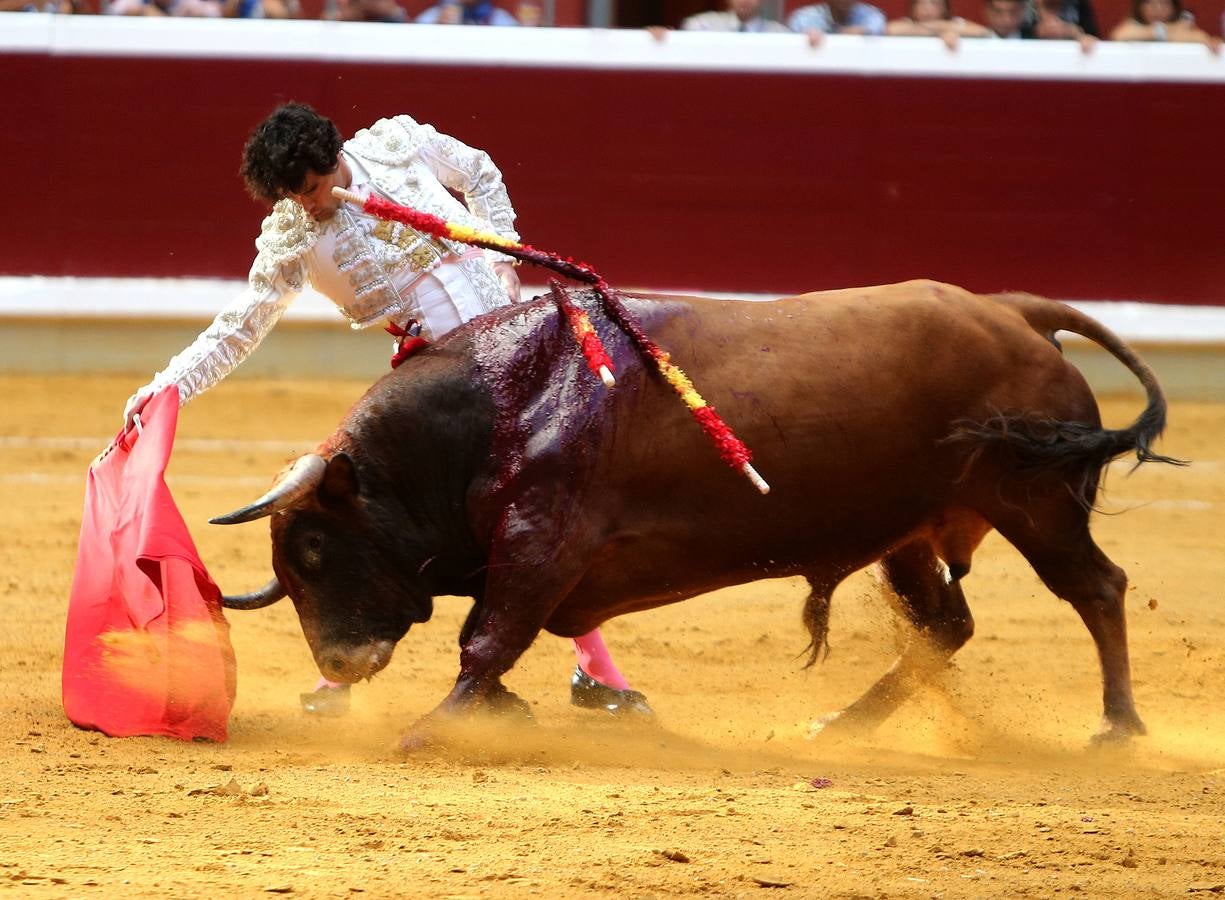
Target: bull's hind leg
1054,537
937,609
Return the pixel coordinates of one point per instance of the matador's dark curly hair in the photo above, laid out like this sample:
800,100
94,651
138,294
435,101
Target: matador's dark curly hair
283,148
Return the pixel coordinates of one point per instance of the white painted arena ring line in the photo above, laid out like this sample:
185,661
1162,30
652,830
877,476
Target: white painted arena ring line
1127,504
201,298
602,49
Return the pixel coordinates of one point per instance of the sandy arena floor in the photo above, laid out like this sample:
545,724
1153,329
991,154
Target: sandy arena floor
984,788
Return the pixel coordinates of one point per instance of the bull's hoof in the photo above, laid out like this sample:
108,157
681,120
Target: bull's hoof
421,736
446,725
327,700
587,693
1116,732
849,724
824,725
507,703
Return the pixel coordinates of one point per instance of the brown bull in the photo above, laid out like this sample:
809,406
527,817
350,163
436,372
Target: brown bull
897,424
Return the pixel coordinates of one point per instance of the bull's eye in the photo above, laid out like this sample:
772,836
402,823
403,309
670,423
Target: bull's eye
312,553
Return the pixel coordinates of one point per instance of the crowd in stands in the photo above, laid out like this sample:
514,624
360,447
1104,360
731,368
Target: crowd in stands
447,12
1150,20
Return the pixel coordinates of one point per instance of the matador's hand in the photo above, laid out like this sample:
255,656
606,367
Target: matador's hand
510,280
136,403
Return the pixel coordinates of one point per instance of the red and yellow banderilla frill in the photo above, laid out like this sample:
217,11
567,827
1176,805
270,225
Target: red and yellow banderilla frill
731,448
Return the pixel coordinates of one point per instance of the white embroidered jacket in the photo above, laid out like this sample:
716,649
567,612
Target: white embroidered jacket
361,265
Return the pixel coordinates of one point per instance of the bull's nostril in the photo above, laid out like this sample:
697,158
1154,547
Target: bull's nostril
335,666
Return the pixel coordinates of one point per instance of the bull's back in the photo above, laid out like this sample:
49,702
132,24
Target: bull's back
843,397
831,373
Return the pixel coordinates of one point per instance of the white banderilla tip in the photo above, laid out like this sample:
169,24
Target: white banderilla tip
344,194
758,481
606,376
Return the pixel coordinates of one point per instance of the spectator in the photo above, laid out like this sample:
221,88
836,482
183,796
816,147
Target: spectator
260,9
1051,18
43,6
837,17
1006,19
741,15
202,9
529,13
369,11
466,12
1161,20
933,18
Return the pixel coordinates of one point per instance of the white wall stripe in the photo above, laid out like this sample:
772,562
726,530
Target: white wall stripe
199,299
601,49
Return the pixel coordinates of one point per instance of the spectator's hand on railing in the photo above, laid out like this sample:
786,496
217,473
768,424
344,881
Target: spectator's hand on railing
815,37
1050,27
658,32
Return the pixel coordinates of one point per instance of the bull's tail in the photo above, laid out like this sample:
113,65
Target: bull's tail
1048,444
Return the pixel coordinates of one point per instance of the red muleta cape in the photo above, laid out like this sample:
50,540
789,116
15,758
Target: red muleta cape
147,650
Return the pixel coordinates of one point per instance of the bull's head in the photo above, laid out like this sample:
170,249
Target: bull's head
341,562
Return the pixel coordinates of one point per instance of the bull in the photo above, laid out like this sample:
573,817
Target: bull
896,424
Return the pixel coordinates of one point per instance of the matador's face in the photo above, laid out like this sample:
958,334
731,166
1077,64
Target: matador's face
316,193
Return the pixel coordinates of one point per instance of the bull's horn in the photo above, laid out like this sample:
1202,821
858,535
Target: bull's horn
265,596
303,478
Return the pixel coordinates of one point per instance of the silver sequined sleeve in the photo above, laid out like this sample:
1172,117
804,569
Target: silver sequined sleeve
473,174
234,334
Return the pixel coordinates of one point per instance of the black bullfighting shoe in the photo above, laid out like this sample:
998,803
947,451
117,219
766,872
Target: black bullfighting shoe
588,693
326,701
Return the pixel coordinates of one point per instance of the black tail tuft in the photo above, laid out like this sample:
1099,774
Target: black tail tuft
816,620
1077,450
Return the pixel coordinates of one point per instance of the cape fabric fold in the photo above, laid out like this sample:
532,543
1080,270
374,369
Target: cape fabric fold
146,650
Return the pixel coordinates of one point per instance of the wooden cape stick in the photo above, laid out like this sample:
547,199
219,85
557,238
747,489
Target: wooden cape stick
731,448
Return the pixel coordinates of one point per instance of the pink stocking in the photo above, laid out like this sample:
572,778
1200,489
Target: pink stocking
595,660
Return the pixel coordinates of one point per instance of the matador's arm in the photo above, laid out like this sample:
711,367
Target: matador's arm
277,276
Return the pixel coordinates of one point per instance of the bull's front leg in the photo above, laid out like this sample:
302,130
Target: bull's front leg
492,647
534,563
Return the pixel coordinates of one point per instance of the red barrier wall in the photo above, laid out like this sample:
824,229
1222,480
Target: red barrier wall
713,181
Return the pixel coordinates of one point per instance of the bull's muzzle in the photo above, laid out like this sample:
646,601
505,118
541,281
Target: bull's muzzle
349,664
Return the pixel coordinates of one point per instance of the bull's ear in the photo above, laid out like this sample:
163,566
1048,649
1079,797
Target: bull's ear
339,483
